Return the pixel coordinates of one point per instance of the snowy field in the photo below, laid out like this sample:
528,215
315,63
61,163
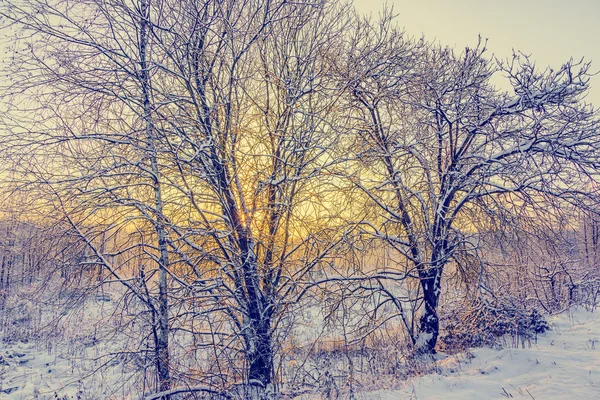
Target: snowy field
564,364
28,372
80,369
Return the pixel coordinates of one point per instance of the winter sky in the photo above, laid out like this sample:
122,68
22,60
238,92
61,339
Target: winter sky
552,31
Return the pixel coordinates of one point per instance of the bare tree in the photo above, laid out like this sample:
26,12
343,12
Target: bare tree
205,121
439,147
91,93
250,138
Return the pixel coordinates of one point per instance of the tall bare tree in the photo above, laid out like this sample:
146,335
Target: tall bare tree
439,147
207,121
250,137
93,148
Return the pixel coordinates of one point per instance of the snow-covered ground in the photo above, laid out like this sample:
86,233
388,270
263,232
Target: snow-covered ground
28,372
57,369
564,364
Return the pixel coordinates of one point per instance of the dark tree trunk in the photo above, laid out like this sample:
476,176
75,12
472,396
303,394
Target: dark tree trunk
261,357
429,328
258,339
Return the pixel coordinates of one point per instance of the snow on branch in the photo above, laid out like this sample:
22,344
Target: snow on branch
535,89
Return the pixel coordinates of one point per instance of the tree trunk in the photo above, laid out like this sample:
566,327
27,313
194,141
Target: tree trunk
162,345
258,339
162,339
429,328
261,357
260,360
3,285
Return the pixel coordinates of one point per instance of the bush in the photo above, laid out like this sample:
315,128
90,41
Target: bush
489,323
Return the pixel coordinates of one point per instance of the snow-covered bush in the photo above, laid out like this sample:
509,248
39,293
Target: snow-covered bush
491,323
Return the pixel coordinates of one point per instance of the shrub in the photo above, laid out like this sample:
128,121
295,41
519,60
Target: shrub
489,323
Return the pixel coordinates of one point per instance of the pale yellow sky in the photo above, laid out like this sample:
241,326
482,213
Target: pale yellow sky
551,31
